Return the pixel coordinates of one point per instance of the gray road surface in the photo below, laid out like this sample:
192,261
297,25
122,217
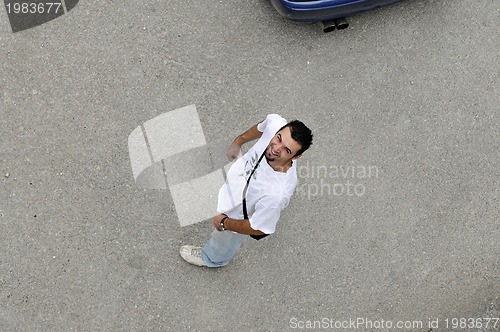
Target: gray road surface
410,92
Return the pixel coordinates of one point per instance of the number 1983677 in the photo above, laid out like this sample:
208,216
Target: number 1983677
33,8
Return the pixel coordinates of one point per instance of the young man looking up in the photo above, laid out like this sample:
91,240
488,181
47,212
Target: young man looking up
266,176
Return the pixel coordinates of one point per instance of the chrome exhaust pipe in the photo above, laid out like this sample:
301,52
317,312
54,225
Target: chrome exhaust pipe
341,23
327,26
337,23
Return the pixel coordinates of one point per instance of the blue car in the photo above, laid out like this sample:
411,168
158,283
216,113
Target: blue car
330,13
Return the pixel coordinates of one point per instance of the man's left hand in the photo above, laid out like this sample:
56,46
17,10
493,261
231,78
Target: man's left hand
217,220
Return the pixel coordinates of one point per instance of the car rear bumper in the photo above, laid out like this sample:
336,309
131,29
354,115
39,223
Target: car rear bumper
321,10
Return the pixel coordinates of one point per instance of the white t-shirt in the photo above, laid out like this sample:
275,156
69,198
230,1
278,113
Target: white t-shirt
268,192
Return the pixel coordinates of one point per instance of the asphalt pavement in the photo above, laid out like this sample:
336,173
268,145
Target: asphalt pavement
394,226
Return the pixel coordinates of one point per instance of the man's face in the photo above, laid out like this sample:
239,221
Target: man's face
282,147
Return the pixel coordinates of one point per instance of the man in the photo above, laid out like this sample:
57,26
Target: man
258,186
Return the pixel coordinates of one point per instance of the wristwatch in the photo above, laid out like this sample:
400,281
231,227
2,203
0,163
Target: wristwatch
222,228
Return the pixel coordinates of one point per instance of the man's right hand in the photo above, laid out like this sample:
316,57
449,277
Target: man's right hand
234,151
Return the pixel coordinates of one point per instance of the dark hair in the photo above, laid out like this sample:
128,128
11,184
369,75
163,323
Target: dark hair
301,134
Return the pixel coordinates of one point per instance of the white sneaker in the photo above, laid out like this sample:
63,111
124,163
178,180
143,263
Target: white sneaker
192,254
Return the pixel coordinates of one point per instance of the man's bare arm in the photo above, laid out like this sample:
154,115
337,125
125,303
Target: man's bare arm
238,226
235,148
249,135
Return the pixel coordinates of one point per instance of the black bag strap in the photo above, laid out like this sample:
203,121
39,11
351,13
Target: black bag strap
245,214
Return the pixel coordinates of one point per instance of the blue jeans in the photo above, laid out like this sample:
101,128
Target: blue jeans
221,247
